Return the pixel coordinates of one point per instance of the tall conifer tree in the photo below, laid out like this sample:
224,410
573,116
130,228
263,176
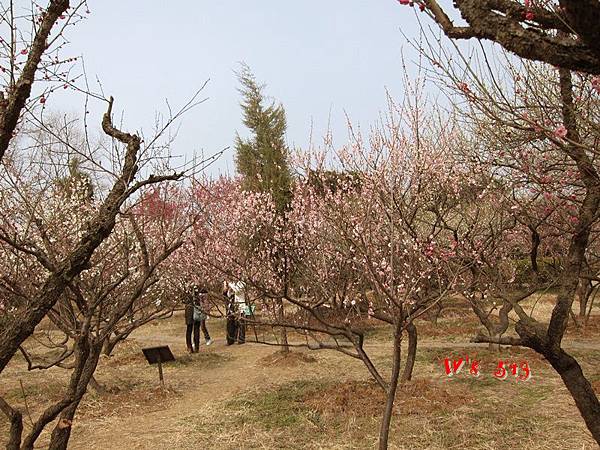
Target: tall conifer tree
262,159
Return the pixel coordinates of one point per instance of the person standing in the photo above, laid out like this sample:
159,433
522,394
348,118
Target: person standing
195,318
231,314
237,311
202,314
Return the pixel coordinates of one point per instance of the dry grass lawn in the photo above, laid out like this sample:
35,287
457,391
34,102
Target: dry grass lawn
249,396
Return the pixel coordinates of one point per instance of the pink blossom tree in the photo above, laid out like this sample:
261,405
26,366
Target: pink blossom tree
369,245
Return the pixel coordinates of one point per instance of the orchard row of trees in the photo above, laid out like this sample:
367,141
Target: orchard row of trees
482,203
491,201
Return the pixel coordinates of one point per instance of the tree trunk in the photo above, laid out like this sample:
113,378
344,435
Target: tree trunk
16,430
87,356
109,346
412,353
15,333
370,366
535,245
62,431
494,330
586,217
585,293
493,346
285,348
384,432
580,388
591,306
435,315
16,425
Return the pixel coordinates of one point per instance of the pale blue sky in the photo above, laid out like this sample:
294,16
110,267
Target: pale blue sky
318,57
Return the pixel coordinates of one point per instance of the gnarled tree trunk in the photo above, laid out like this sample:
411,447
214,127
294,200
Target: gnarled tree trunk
580,388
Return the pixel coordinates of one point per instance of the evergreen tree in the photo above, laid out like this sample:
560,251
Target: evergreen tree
262,159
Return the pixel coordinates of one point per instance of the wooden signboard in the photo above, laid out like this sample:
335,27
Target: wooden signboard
159,355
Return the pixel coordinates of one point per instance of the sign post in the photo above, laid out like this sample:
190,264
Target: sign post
160,373
158,355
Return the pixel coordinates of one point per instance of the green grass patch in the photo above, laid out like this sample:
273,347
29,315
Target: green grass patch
280,408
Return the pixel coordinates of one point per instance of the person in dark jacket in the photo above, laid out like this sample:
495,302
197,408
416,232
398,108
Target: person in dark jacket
231,313
237,312
195,318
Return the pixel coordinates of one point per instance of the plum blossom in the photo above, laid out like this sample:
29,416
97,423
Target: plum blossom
560,132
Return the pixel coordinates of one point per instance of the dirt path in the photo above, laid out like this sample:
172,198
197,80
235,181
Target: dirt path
157,429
